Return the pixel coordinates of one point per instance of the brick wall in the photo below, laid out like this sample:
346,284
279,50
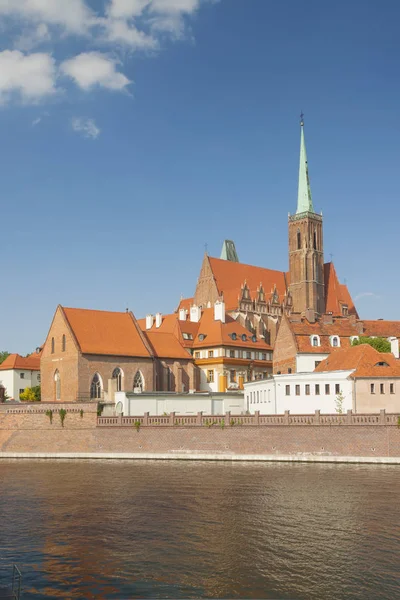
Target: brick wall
285,349
23,432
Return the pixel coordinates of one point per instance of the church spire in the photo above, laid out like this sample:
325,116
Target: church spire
304,199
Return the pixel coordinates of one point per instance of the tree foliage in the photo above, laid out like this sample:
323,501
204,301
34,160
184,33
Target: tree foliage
3,355
31,394
379,343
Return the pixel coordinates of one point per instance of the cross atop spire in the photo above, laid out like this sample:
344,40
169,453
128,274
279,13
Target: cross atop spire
304,199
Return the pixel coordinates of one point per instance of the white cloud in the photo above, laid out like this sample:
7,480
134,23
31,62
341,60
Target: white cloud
125,9
174,6
36,121
30,76
30,38
119,30
87,127
90,69
73,15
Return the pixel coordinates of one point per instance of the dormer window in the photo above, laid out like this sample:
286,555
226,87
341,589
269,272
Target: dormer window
381,364
234,336
345,310
353,338
187,336
202,337
253,338
335,341
315,341
244,337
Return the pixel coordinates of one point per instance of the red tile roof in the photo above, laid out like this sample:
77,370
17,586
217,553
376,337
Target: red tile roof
364,360
185,303
336,294
167,345
15,361
106,333
342,327
381,328
230,276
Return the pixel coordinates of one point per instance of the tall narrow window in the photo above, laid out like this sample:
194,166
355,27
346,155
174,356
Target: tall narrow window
298,240
315,240
297,390
317,389
382,388
138,382
307,389
372,388
327,389
52,345
117,374
64,342
392,388
337,388
210,376
95,387
287,389
57,385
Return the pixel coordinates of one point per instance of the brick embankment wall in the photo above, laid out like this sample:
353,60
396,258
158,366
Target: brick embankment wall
33,433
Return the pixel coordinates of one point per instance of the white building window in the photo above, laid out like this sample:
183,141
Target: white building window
315,341
335,341
22,375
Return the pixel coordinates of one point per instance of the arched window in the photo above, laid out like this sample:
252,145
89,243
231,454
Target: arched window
117,374
52,345
138,383
315,240
315,340
298,240
95,387
335,341
64,342
119,409
57,385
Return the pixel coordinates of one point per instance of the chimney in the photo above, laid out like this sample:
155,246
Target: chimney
149,321
219,311
195,313
394,346
327,319
158,319
310,315
182,314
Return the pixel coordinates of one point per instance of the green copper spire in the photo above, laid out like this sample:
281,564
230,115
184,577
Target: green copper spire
229,251
304,199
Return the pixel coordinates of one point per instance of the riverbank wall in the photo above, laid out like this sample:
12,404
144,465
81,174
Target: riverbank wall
32,432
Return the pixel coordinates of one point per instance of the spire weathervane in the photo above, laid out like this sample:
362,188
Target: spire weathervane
301,118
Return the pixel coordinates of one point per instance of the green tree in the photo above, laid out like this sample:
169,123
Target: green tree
30,394
3,355
379,343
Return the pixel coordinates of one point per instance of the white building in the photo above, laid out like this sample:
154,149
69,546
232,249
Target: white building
18,372
161,403
300,393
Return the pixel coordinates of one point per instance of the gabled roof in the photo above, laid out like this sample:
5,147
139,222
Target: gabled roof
381,328
336,294
364,359
303,331
185,303
167,345
15,361
106,333
230,276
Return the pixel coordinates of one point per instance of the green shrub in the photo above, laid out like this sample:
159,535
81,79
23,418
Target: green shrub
63,413
81,413
137,425
49,413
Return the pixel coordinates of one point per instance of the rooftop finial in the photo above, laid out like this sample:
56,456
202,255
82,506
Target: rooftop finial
301,119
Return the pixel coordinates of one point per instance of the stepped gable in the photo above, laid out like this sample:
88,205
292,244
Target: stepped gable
336,294
16,361
364,359
230,276
304,330
106,333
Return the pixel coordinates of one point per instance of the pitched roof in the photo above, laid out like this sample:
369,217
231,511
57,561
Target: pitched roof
303,330
185,303
230,276
15,361
167,345
106,333
336,294
364,360
381,328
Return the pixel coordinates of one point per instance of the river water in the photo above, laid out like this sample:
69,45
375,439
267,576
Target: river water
121,529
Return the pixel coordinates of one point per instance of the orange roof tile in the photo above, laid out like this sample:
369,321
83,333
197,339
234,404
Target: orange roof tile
108,333
230,276
364,360
167,345
341,327
15,361
185,303
381,328
336,294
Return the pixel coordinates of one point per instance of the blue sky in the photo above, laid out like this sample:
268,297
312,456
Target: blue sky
135,132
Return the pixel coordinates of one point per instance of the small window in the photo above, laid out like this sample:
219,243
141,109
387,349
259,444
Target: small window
197,354
63,343
315,340
372,388
248,355
327,389
21,391
52,345
210,376
187,336
298,240
211,354
317,389
253,338
233,336
297,390
201,337
392,388
233,376
317,362
244,337
289,371
382,388
232,353
38,377
307,389
287,390
258,397
381,364
22,375
335,341
264,356
337,388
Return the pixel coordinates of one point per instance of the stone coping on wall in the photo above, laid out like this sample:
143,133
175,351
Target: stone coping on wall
24,408
289,458
256,420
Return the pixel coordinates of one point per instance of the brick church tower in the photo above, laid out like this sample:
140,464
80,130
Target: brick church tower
306,249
